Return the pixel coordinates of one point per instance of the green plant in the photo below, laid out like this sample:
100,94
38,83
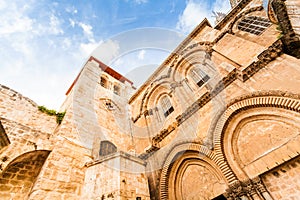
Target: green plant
59,115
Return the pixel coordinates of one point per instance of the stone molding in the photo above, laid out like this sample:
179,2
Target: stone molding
247,189
258,99
264,58
209,156
118,154
240,6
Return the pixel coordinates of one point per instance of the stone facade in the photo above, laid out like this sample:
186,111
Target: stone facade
219,119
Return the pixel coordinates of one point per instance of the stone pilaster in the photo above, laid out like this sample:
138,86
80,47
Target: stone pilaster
249,189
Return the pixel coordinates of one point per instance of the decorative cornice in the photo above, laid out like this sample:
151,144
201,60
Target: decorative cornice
264,58
180,56
202,101
175,53
116,155
246,188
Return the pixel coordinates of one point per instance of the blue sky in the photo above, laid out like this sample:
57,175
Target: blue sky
44,43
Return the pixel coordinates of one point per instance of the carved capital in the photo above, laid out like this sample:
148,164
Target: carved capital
235,191
258,184
249,188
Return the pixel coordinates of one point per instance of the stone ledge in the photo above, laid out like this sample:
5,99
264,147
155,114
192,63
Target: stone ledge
120,154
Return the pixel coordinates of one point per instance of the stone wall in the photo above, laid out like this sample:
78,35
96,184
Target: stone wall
16,107
117,176
283,182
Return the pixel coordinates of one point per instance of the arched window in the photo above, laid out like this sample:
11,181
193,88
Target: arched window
116,89
198,76
253,24
104,82
106,148
166,105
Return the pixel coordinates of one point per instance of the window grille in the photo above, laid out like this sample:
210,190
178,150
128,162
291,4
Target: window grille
199,76
166,106
253,24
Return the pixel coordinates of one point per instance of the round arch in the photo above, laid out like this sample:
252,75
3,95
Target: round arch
21,173
189,58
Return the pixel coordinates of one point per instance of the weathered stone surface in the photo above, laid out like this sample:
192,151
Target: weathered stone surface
234,134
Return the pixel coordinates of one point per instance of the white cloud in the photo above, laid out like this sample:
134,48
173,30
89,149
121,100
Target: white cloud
140,1
71,9
55,25
37,58
192,15
72,22
141,54
107,51
13,20
88,48
221,6
87,30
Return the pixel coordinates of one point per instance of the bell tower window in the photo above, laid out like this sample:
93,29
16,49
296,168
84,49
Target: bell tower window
103,82
116,89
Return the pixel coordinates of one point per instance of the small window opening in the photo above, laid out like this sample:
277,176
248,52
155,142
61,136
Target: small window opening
198,76
107,148
116,90
166,106
104,82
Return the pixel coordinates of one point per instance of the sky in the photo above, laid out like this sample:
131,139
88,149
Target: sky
44,43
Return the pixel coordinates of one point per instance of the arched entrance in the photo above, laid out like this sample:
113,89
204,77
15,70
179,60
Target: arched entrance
191,174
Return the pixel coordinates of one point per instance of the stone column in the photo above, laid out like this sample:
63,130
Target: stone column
260,187
236,192
251,191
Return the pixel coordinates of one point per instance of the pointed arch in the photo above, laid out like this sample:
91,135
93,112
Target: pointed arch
201,154
262,99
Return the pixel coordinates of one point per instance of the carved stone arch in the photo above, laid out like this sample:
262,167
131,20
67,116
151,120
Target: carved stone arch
269,99
147,94
20,174
166,84
187,57
202,153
